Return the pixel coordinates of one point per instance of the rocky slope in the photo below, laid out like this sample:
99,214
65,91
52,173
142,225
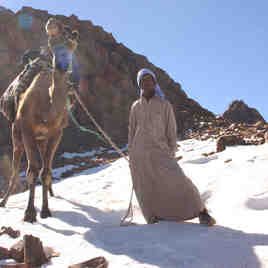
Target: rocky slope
109,69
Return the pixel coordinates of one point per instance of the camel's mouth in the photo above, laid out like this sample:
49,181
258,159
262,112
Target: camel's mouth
63,59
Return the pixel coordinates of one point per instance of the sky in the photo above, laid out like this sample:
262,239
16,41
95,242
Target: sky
216,50
87,208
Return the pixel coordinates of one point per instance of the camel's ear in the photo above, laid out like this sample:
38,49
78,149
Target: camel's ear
69,34
75,35
72,44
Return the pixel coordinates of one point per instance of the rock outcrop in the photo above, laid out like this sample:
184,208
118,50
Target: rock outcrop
239,112
228,133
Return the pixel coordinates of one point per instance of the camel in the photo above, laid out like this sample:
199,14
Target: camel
38,128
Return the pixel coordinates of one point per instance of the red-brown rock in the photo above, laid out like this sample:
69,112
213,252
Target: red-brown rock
109,68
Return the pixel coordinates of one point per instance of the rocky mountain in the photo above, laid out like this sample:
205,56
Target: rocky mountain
239,112
109,70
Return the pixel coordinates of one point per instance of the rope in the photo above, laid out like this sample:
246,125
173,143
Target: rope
129,213
82,128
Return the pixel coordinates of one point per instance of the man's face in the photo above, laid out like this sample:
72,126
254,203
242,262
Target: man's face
53,31
147,83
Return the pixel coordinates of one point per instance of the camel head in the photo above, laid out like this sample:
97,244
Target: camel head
62,59
62,66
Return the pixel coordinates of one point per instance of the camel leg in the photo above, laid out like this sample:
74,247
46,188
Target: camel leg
32,171
45,176
47,157
18,150
42,145
50,190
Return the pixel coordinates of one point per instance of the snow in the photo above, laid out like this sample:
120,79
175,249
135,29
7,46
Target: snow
88,207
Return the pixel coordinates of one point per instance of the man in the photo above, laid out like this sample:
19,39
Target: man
60,37
162,189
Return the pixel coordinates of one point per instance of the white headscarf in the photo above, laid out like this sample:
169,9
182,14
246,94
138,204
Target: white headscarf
157,89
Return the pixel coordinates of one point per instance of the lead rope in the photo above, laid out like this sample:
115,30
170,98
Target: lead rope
128,218
82,128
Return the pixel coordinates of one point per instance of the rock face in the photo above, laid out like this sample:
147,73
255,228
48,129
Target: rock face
109,72
239,112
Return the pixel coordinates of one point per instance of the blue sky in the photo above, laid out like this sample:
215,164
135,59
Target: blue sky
217,50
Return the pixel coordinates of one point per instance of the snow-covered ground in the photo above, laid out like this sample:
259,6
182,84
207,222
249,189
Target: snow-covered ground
88,207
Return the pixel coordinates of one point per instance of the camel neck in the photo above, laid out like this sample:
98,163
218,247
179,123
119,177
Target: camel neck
59,90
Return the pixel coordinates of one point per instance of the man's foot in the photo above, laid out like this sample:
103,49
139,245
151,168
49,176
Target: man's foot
206,219
155,219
